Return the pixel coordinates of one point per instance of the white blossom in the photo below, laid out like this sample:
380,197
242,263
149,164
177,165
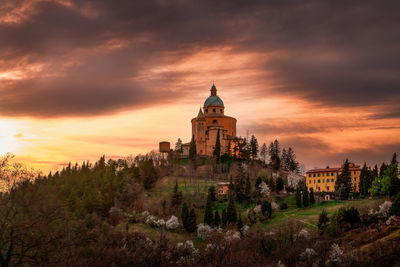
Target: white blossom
204,231
264,190
232,236
336,254
245,230
294,178
303,233
257,209
309,253
172,223
274,205
384,208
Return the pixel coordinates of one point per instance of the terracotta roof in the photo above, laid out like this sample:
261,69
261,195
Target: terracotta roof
332,170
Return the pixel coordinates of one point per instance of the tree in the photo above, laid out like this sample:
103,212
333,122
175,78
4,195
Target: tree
382,169
306,199
224,218
291,158
217,219
312,199
208,213
254,147
248,187
211,193
244,149
178,146
185,215
394,159
231,215
366,178
323,221
240,223
264,151
279,184
343,182
217,149
258,182
177,196
192,149
395,209
266,209
274,154
148,173
240,184
298,197
191,224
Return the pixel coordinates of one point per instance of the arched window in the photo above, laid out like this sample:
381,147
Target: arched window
214,110
215,121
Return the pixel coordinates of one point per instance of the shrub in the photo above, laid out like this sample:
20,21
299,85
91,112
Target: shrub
323,221
283,206
274,206
266,209
395,209
204,231
172,223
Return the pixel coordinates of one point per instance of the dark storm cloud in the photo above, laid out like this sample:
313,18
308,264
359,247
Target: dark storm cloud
338,53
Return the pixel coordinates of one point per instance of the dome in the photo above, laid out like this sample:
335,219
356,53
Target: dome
213,100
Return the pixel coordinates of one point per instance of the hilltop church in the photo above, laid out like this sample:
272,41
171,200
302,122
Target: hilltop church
211,119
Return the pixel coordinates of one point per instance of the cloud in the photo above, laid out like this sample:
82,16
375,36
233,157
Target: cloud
93,57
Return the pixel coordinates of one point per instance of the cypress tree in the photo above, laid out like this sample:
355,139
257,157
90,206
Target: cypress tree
208,214
211,193
363,184
177,196
217,149
224,218
298,197
217,219
343,182
266,209
192,148
394,159
240,184
312,199
185,215
305,198
279,184
192,224
240,223
254,147
231,215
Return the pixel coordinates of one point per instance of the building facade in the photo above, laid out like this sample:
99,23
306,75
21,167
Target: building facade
323,180
210,120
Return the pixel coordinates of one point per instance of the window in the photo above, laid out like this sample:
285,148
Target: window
319,175
314,181
214,110
215,121
220,110
355,173
331,173
323,174
314,175
327,174
310,182
319,180
323,180
328,188
206,110
332,180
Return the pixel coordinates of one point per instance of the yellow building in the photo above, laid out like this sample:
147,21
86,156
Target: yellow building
324,179
211,120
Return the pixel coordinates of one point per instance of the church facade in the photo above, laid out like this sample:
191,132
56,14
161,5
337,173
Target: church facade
210,120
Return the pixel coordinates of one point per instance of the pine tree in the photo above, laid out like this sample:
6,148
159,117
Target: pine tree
298,197
231,215
178,145
192,149
217,219
240,184
306,199
274,153
185,215
375,172
208,214
291,157
343,181
382,169
394,159
254,147
244,150
224,218
284,160
264,152
191,224
279,184
312,198
217,149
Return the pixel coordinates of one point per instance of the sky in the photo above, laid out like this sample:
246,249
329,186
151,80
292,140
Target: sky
80,78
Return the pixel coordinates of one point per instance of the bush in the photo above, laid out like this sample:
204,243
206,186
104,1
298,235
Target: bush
395,209
172,223
283,206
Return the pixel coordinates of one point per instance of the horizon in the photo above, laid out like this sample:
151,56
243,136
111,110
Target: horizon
82,79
